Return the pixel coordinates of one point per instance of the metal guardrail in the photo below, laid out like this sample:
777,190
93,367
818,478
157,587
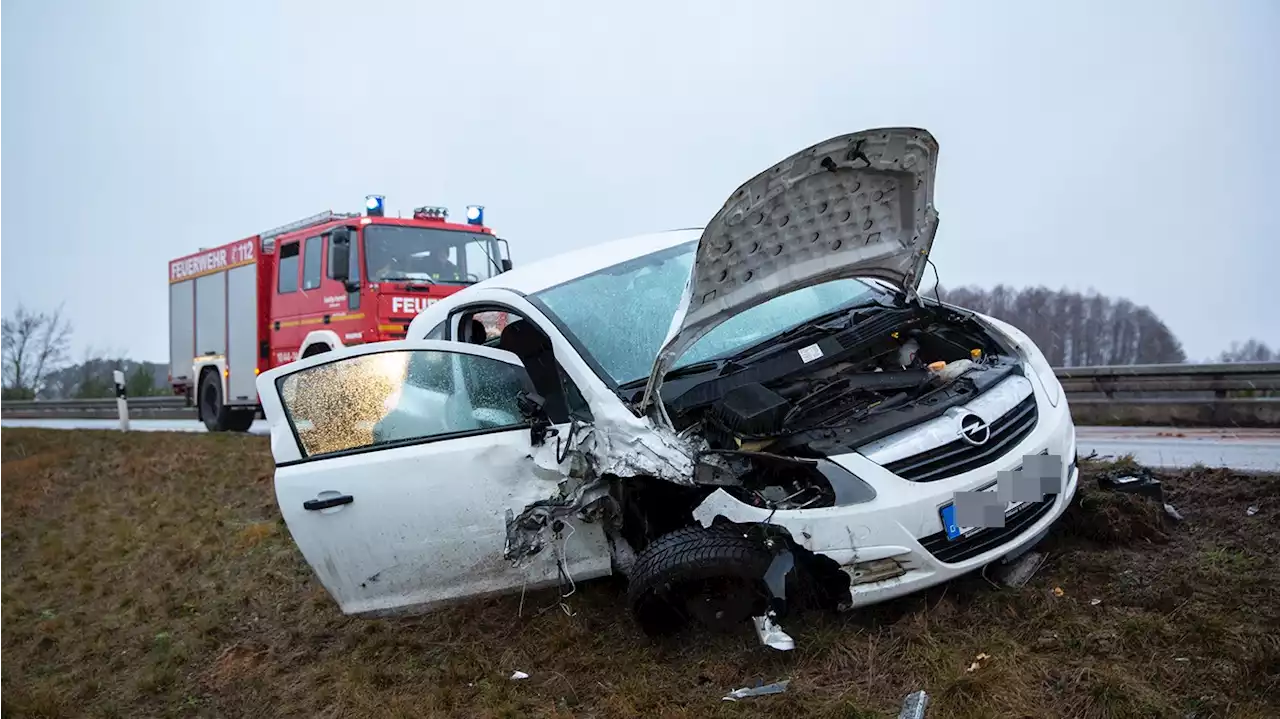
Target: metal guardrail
1231,394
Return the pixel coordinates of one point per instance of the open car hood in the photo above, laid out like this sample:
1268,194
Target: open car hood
856,205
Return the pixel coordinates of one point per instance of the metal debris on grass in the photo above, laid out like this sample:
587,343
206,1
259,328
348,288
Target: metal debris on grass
1252,510
757,691
914,705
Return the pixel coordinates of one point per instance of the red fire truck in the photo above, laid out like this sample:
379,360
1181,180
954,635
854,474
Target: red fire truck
320,283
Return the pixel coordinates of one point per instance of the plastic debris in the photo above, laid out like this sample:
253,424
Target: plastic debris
771,634
1016,574
1139,480
757,691
1058,591
914,705
1173,513
977,662
1251,510
1095,602
518,675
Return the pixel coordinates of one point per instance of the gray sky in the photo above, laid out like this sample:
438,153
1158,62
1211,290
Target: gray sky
1130,149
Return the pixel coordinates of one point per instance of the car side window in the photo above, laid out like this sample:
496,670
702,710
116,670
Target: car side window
400,397
487,326
438,332
288,268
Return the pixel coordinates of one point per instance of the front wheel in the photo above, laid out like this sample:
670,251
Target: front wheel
711,577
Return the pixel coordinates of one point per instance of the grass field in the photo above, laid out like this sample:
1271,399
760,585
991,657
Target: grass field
149,575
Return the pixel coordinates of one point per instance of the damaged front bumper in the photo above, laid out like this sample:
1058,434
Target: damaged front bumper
896,544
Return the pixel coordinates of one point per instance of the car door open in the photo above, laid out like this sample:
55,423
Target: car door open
397,464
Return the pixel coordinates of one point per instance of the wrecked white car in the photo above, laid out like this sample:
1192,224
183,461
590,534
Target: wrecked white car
732,418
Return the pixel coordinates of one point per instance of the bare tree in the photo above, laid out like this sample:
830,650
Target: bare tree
32,345
1073,329
1251,351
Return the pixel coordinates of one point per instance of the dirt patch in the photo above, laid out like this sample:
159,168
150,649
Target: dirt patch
149,575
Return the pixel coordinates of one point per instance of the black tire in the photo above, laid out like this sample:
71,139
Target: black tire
710,577
315,350
213,410
241,420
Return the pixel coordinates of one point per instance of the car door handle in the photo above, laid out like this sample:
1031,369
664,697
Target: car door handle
312,505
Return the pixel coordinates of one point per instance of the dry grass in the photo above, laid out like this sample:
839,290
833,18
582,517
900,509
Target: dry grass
150,575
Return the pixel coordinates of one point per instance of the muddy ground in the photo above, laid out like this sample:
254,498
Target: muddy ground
149,574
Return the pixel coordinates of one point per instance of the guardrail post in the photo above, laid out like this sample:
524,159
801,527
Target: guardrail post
122,401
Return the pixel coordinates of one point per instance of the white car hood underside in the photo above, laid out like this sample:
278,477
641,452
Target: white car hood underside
856,205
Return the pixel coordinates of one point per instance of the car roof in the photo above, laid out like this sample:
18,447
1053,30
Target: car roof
551,271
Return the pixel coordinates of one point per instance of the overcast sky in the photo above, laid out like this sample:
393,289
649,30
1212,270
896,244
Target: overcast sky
1126,147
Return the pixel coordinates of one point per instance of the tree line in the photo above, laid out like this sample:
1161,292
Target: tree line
36,362
1072,329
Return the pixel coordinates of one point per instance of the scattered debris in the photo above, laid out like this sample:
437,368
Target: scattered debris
1095,602
1138,480
758,690
1058,591
914,705
518,675
1173,513
977,662
1016,574
1252,510
1182,659
771,634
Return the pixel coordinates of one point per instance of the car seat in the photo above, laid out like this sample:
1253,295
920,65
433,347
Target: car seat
534,349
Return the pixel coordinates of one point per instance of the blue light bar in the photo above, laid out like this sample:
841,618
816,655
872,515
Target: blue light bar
475,214
373,205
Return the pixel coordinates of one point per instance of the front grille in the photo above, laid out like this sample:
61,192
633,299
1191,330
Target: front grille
984,540
959,456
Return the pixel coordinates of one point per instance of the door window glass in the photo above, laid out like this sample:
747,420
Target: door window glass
400,396
288,268
311,263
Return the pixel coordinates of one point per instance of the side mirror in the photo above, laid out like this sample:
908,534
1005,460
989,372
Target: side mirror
340,255
506,265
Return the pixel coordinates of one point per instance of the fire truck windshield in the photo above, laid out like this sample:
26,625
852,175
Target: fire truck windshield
423,254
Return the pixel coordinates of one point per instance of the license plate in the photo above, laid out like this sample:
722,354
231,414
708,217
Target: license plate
954,531
948,511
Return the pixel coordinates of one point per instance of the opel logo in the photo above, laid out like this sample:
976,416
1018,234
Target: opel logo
974,430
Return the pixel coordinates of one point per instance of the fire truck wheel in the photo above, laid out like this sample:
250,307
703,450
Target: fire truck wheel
216,415
241,420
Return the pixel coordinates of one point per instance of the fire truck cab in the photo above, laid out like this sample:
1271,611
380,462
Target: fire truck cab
323,282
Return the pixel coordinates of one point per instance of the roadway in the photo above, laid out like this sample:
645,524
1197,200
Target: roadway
1240,449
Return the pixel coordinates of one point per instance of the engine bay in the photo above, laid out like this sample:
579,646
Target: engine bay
769,421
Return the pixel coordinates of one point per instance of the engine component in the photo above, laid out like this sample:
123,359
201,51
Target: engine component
752,410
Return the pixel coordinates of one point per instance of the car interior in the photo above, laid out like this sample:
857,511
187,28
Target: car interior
525,340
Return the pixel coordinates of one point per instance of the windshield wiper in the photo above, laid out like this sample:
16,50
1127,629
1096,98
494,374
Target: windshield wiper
685,371
406,278
810,326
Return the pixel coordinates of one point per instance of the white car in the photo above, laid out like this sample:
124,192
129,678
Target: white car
724,416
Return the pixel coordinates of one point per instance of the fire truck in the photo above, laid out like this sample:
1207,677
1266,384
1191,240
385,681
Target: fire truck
323,282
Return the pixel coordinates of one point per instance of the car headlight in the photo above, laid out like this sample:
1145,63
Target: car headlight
1034,357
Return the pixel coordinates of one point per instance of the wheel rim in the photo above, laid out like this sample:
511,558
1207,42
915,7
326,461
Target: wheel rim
721,603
